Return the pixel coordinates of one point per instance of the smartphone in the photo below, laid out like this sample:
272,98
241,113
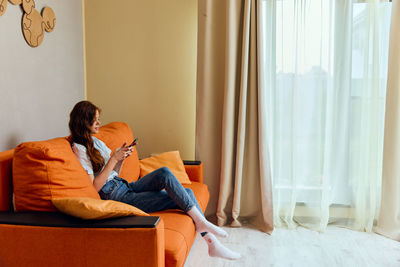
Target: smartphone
134,142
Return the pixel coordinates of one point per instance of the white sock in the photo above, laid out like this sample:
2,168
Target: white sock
202,225
216,249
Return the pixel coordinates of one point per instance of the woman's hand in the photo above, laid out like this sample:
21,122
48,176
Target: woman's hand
121,153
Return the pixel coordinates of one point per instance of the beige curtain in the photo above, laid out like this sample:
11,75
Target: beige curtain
389,217
231,128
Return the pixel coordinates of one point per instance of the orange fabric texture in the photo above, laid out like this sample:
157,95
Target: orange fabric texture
89,208
179,236
114,135
201,193
171,159
58,246
195,172
179,228
48,169
5,180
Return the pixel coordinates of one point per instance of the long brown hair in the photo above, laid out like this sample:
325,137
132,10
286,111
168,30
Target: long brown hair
81,118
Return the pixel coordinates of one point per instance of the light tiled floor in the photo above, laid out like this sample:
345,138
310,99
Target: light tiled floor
301,247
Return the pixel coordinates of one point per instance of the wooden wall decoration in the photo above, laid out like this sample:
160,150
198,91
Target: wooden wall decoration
16,2
3,6
28,6
34,24
33,28
49,19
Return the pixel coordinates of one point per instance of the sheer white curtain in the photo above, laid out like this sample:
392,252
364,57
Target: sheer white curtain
325,65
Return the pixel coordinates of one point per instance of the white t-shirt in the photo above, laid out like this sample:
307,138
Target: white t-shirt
81,152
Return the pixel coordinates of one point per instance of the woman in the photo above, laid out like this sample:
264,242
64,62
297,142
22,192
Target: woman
147,193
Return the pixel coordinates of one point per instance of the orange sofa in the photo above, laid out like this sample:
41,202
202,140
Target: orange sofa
41,236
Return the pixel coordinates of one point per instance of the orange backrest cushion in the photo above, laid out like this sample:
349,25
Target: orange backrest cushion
114,135
48,169
195,172
172,160
5,180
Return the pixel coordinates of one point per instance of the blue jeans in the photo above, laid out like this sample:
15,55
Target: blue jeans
158,190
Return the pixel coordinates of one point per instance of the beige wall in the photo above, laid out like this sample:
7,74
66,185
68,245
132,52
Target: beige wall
141,69
39,86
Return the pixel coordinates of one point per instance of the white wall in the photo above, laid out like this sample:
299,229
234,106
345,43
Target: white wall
39,86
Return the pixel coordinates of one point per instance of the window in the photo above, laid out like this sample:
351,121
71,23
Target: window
324,66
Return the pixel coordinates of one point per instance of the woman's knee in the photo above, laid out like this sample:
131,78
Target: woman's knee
166,175
164,171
